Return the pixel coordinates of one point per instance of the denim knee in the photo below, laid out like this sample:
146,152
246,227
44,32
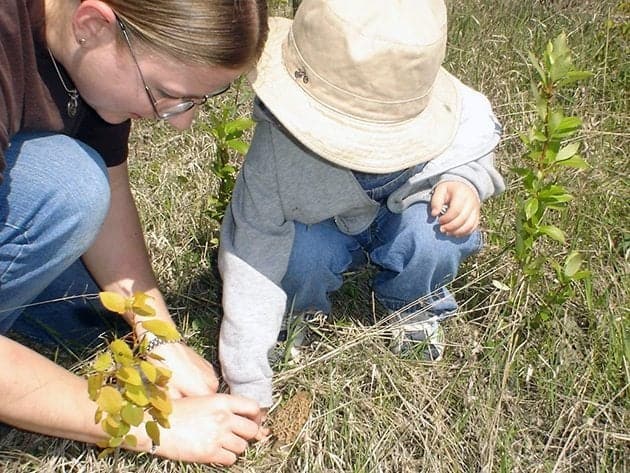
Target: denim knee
417,260
320,255
65,180
53,202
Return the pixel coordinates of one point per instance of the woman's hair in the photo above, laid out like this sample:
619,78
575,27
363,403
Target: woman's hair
225,33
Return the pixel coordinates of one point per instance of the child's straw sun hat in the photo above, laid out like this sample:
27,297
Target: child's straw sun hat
360,82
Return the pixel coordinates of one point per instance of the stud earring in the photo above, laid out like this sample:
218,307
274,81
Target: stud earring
82,41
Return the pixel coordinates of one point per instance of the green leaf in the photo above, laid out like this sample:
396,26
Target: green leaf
109,400
575,161
575,76
131,414
542,108
566,127
572,264
239,124
581,275
153,431
552,232
237,145
536,64
162,329
567,151
131,441
531,207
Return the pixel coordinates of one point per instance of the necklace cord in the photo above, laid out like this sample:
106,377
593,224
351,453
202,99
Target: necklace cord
73,94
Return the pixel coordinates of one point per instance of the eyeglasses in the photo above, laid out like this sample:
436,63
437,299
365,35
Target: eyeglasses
167,107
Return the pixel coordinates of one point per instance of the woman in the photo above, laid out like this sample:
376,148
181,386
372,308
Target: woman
72,75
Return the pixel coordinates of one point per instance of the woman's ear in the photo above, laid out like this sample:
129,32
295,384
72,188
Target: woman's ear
94,22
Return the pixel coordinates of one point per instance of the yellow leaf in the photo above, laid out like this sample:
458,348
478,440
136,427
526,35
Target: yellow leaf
155,356
105,452
129,375
103,362
137,395
153,431
114,427
110,426
95,381
164,374
160,418
162,329
131,440
122,352
109,400
113,301
131,414
149,371
115,442
98,415
140,304
159,400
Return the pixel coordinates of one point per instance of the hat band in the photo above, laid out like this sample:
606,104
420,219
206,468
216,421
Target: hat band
343,101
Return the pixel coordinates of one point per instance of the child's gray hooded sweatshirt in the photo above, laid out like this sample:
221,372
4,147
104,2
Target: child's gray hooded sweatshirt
281,182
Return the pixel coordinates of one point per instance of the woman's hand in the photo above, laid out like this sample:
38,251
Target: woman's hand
192,374
463,207
209,429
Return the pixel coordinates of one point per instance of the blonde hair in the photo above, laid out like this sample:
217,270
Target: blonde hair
225,33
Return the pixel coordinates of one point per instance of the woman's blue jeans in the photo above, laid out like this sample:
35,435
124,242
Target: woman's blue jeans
415,261
53,202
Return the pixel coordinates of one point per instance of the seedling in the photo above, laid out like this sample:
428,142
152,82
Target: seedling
128,389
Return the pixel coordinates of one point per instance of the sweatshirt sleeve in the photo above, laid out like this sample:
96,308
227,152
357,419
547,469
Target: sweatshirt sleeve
481,174
479,125
256,242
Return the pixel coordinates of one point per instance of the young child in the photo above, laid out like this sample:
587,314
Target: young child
364,145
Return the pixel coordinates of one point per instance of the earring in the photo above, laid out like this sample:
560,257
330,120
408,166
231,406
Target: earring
82,41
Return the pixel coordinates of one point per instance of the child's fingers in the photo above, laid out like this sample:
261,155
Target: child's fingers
463,224
439,200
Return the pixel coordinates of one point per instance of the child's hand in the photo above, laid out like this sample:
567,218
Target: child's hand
462,216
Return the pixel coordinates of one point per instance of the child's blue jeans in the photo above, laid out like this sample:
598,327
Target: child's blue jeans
415,261
53,202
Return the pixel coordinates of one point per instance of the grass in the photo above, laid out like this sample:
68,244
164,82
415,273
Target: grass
510,395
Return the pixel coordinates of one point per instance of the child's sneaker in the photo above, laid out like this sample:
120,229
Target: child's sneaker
426,335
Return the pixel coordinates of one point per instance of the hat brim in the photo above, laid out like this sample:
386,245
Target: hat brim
347,141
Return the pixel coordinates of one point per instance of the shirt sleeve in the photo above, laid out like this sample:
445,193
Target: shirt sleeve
256,242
